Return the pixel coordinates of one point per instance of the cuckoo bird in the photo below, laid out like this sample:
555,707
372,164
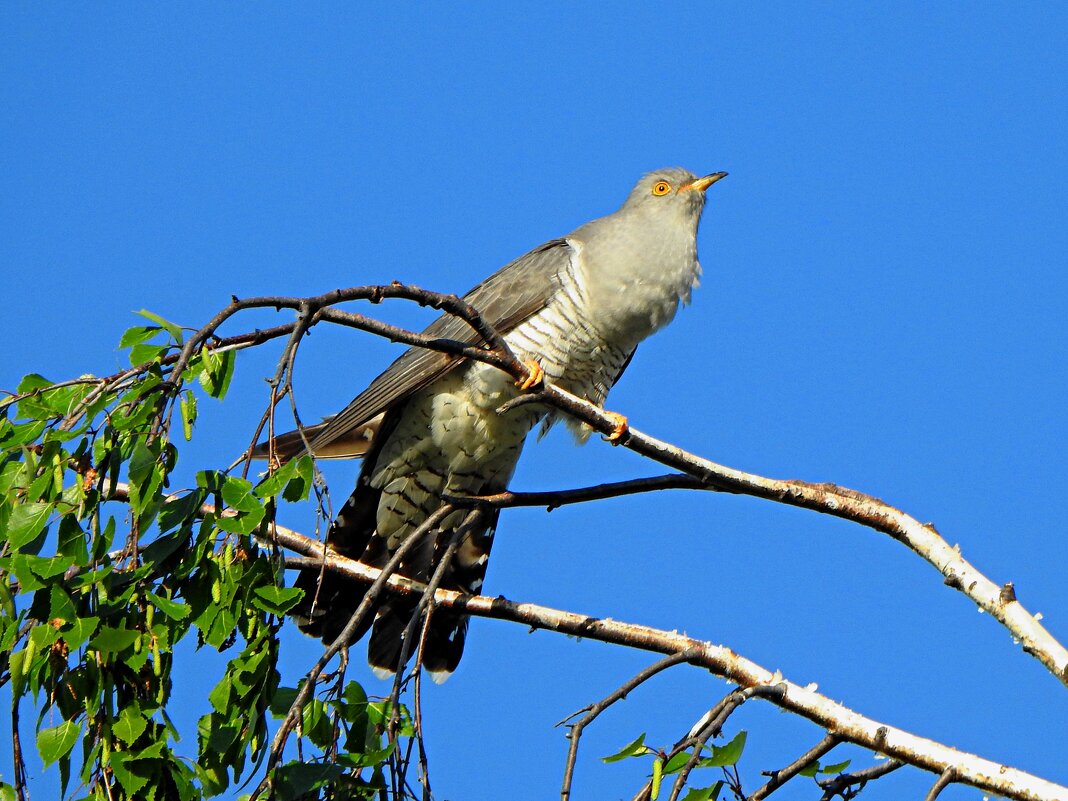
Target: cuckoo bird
575,309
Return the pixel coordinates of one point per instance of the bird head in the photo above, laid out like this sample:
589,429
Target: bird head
671,195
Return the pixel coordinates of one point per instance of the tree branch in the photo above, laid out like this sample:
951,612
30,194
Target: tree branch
557,498
842,784
848,725
779,777
831,499
593,710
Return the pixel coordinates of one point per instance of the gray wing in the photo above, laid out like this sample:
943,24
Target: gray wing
514,293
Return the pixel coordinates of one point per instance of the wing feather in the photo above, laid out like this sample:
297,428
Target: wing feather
507,298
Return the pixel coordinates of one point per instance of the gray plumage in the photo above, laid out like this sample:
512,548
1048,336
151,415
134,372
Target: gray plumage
428,426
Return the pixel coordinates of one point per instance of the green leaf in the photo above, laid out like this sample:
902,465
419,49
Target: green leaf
137,335
632,749
237,493
178,511
282,700
31,382
55,743
130,725
811,769
276,600
163,547
241,524
27,520
218,370
726,755
172,329
22,433
299,488
79,631
676,763
175,610
113,640
296,779
129,771
42,636
18,665
219,697
704,793
45,568
61,605
144,353
276,481
836,768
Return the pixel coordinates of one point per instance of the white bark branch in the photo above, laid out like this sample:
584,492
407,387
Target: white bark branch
836,719
923,539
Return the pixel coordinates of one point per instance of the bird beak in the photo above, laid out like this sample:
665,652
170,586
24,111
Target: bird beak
703,183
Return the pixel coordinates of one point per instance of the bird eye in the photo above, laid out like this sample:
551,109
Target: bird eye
661,188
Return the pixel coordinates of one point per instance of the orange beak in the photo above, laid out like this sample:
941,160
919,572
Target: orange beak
703,183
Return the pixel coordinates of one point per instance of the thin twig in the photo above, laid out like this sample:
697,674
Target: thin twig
710,725
386,573
837,501
19,767
593,710
461,531
779,777
943,782
848,785
557,498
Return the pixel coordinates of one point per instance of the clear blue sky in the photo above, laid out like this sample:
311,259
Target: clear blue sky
886,271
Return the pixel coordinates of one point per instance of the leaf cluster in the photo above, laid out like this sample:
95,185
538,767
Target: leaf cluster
96,596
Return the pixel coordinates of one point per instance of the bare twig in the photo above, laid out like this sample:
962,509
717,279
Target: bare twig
19,767
593,710
386,573
848,785
943,782
779,777
710,725
556,498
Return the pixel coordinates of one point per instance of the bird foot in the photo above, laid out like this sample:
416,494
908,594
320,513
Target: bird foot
620,430
535,375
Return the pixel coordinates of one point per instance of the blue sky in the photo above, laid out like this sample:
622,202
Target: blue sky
882,307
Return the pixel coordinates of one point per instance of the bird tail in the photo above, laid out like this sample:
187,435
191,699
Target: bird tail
445,636
330,599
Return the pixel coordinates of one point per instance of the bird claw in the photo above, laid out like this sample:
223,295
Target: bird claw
619,431
535,375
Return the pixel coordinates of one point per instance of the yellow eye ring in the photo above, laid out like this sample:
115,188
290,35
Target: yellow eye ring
661,188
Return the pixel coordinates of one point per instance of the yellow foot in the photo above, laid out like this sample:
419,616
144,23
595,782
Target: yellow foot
621,429
535,375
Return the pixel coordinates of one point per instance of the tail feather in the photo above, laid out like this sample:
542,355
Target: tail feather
331,599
